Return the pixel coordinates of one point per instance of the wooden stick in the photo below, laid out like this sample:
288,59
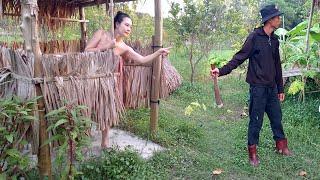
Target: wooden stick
1,9
156,69
29,27
216,90
111,15
69,19
83,27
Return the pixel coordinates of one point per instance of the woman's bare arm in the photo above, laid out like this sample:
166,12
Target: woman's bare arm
93,43
145,59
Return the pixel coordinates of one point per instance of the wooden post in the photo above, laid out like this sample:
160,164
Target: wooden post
111,5
29,27
1,9
83,27
156,69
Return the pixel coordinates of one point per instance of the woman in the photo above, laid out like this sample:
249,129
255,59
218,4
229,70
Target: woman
102,41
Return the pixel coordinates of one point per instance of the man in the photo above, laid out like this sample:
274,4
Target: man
265,78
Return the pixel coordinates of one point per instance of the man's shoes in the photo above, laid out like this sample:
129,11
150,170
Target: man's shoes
253,157
282,147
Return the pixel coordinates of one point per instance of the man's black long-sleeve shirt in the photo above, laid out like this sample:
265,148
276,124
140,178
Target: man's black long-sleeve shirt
264,60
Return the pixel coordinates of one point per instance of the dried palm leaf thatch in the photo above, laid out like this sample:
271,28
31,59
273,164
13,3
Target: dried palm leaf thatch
47,9
5,57
16,73
53,8
50,47
170,79
136,86
137,79
84,78
60,46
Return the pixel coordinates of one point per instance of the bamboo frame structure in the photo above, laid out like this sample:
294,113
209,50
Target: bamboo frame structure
58,77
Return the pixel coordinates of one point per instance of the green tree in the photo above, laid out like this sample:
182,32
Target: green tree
295,11
195,24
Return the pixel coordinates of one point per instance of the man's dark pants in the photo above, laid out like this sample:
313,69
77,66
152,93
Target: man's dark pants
264,99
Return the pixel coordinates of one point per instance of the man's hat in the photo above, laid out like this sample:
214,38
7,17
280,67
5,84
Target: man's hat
269,12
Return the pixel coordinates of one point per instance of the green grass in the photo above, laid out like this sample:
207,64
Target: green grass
216,138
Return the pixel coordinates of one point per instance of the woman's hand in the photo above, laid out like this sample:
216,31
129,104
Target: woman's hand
164,51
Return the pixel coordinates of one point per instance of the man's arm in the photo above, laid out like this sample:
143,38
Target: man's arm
239,57
279,79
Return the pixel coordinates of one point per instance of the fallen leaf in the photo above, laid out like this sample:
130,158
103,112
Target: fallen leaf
217,172
229,111
244,114
302,173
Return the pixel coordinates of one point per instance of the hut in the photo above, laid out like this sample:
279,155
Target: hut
58,73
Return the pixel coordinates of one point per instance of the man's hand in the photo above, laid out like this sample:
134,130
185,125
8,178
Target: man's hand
214,72
281,97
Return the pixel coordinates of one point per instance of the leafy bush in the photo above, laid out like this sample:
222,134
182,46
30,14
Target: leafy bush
16,117
70,131
114,164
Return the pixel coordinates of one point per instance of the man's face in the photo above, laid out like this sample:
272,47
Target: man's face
275,22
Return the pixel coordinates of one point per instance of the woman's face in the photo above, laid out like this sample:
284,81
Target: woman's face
124,28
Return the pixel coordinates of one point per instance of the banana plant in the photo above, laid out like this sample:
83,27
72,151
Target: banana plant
292,49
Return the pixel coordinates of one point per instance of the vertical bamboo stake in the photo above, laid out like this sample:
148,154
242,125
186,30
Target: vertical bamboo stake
29,28
156,69
83,26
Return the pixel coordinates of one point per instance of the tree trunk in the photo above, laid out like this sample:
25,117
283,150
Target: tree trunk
307,44
192,67
191,61
29,27
309,24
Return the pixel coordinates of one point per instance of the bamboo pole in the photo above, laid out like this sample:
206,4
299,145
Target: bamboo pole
156,69
83,27
29,27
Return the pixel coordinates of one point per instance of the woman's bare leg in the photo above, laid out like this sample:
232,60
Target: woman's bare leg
105,137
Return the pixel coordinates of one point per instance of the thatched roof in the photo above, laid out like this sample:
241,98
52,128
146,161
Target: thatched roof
49,10
53,8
